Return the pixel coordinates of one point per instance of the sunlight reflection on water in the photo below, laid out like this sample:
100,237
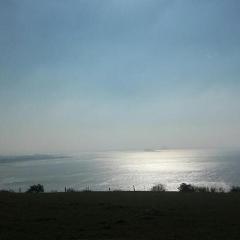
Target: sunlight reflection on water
122,170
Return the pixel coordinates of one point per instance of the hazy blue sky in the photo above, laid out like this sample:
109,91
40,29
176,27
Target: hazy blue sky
119,74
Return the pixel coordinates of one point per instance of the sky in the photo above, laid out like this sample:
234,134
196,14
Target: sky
92,75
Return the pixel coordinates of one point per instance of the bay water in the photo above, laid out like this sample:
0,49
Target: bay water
121,170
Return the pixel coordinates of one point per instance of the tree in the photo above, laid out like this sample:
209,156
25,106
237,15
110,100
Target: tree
36,189
184,187
235,189
158,188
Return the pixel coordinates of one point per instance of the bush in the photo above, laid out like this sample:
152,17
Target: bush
213,189
7,191
200,189
191,188
217,190
70,190
36,189
220,190
184,187
87,189
235,189
158,188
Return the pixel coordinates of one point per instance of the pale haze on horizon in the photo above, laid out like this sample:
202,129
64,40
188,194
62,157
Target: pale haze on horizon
119,74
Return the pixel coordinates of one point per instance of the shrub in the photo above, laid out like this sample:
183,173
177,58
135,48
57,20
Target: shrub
200,189
191,188
217,190
158,188
235,189
70,190
87,189
220,190
213,189
36,189
7,191
184,187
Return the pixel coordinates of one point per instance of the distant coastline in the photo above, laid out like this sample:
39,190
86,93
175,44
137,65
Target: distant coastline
30,157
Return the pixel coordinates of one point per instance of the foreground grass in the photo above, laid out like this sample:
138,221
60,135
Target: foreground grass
120,215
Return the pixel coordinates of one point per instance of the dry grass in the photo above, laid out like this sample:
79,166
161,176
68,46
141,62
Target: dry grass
119,215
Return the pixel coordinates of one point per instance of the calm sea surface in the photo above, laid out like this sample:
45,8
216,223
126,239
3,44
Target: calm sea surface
122,170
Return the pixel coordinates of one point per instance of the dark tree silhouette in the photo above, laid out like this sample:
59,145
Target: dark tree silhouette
184,187
36,189
158,188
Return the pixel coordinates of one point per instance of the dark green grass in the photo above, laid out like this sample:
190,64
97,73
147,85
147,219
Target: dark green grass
120,215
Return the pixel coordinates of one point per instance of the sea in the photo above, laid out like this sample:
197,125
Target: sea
121,170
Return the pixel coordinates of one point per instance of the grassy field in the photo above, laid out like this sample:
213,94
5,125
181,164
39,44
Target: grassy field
120,215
